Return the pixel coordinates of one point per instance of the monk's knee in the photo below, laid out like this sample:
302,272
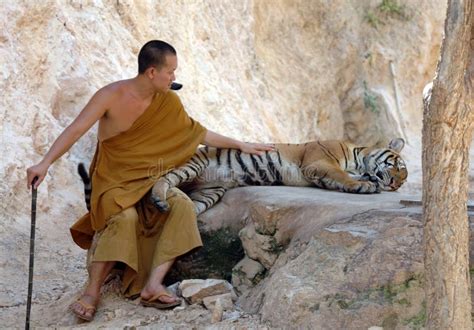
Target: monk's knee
128,217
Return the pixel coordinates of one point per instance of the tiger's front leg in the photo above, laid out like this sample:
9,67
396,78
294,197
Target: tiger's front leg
176,178
158,194
330,176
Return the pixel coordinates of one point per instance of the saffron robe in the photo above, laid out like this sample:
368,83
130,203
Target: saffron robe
126,166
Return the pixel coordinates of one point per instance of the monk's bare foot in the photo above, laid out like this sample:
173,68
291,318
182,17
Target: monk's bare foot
85,307
158,290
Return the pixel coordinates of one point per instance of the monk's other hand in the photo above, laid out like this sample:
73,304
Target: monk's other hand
36,171
256,148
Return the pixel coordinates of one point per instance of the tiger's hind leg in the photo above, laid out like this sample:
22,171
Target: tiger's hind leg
206,197
329,176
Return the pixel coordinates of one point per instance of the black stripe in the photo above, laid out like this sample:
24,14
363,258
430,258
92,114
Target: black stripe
273,169
218,156
356,152
262,173
229,162
176,175
205,156
185,171
344,153
250,182
210,196
381,155
195,167
196,155
198,201
388,158
190,167
241,162
255,164
279,158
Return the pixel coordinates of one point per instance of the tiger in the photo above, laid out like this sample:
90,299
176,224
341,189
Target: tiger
332,164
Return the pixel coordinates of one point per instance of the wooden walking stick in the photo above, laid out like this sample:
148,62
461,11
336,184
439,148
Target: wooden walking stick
32,253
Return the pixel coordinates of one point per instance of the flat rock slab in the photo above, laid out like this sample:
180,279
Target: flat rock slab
284,214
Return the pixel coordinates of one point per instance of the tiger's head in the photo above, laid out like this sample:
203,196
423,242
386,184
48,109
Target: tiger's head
385,167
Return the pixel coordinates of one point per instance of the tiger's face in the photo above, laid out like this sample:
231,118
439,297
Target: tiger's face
386,168
392,173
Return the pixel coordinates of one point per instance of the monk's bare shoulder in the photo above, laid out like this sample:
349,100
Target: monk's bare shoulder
112,94
115,89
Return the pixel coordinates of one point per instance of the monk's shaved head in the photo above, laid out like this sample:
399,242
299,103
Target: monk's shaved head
153,53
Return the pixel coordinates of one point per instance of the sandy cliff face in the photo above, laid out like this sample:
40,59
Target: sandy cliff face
255,70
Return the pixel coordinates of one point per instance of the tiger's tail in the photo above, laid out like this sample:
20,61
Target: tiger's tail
81,169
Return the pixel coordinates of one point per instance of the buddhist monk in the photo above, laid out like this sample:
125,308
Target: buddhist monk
144,131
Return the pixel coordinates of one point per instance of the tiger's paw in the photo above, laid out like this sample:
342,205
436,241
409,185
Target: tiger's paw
364,187
162,206
369,187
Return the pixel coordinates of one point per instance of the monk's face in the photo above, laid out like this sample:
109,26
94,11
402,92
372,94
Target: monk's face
164,75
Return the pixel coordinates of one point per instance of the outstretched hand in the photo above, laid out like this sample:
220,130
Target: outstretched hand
256,148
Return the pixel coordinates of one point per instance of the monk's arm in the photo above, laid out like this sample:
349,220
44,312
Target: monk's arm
93,111
213,139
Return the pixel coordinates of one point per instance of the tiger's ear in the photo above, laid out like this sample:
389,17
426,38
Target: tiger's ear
397,144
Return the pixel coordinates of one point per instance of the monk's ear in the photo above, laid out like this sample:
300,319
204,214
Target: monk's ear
151,72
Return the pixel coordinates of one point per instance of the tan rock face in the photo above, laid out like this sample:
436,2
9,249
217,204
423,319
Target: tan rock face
285,71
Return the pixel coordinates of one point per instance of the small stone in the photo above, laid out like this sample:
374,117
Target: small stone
194,294
109,316
217,312
187,283
225,300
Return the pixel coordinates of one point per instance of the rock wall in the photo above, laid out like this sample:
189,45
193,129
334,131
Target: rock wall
279,70
283,71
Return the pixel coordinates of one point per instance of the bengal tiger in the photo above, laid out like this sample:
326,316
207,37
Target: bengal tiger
334,165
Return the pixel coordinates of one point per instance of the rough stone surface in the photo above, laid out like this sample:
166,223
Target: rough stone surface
358,272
